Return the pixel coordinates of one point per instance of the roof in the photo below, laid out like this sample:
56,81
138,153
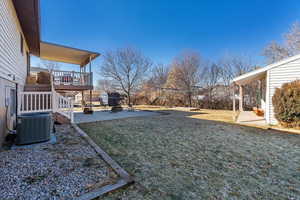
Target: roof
256,74
29,18
61,53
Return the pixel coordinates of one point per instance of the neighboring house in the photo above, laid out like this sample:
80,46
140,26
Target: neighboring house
95,96
20,38
275,75
36,70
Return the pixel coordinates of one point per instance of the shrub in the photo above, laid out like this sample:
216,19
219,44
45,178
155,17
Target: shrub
286,102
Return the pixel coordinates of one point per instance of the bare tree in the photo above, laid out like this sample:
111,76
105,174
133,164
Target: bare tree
105,85
159,75
184,74
275,52
152,89
292,39
232,66
127,68
291,45
211,79
50,65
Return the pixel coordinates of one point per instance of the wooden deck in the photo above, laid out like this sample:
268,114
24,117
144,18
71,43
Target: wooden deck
47,87
37,88
249,117
72,87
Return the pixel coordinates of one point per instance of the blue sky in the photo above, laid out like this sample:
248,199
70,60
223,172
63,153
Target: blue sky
162,29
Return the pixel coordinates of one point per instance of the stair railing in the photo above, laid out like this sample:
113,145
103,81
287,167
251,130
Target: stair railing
33,102
61,104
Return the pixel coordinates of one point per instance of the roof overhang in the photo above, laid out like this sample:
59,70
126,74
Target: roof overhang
60,53
261,73
29,16
251,76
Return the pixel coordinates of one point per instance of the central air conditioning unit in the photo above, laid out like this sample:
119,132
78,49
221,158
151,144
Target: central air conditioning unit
33,128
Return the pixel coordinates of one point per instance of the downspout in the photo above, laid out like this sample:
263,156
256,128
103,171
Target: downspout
17,100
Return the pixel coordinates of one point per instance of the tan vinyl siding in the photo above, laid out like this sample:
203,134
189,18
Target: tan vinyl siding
11,59
278,76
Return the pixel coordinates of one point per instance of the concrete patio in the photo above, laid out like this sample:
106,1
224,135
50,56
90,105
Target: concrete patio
250,118
103,115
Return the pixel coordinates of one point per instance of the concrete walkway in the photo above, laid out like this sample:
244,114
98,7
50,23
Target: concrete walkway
249,117
79,117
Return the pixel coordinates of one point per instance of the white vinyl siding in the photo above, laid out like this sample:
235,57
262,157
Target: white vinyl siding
277,76
11,59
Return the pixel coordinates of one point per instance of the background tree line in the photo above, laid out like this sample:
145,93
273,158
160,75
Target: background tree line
189,80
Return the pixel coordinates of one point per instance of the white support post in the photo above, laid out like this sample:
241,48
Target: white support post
72,110
54,102
233,102
90,66
241,98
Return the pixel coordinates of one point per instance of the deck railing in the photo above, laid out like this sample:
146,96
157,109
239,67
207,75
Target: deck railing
63,105
72,78
32,102
35,102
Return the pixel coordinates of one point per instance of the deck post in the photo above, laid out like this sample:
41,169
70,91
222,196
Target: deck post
90,69
91,99
90,66
82,99
241,98
80,74
72,110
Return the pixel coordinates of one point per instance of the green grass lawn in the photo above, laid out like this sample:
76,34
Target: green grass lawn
177,157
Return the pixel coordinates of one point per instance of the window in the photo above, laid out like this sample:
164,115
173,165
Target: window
22,43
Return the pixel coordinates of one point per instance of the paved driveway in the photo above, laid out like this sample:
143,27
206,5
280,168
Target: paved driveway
107,115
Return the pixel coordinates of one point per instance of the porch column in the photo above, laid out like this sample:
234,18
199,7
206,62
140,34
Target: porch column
241,98
262,101
233,102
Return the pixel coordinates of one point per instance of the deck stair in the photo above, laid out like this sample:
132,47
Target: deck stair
38,98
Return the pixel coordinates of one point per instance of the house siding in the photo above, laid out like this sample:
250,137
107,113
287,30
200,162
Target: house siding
277,77
12,61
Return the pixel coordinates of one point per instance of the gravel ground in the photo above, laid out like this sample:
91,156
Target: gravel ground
178,157
63,170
